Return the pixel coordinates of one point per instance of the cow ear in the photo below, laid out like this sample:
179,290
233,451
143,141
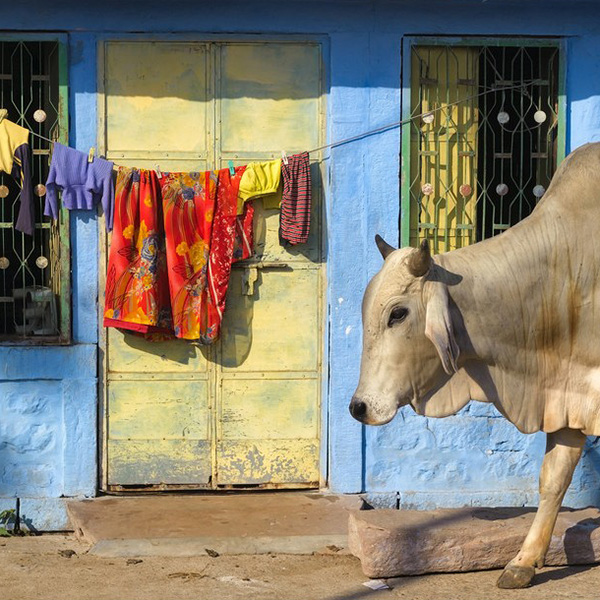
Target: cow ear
438,328
383,246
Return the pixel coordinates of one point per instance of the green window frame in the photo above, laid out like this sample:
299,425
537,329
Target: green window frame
35,271
426,208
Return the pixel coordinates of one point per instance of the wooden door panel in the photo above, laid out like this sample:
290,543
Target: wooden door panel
274,462
158,432
130,353
159,462
156,94
275,329
287,405
269,96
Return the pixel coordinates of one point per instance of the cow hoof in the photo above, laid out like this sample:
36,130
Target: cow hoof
515,577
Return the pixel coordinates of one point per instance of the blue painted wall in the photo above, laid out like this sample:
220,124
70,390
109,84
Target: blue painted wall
49,395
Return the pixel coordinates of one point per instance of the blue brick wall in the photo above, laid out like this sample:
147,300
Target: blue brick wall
31,438
49,396
48,399
474,458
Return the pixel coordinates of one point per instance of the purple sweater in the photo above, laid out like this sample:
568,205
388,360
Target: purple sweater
83,184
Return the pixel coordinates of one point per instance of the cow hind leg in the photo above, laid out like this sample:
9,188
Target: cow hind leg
563,450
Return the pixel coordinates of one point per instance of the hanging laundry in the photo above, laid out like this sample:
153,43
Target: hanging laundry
296,200
188,207
14,159
231,241
261,180
83,183
243,244
137,286
173,244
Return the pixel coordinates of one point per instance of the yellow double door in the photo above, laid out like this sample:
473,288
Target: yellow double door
246,411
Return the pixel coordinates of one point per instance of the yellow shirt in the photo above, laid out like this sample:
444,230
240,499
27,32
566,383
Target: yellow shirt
261,180
14,159
11,137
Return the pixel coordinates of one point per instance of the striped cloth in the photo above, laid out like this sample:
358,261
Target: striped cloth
295,203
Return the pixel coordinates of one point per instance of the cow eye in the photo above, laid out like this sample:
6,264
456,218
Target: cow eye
397,315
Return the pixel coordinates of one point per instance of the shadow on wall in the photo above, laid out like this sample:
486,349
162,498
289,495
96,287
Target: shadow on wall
259,71
267,97
245,287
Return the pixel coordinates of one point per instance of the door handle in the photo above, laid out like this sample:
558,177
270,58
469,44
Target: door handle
250,274
249,277
273,264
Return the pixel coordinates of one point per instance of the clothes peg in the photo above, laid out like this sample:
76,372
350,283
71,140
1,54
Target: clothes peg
3,114
231,168
158,172
91,154
284,157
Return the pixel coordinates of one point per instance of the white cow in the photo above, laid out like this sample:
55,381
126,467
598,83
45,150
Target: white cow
513,320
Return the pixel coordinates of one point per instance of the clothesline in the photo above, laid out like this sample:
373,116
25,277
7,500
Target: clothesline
396,124
42,137
196,251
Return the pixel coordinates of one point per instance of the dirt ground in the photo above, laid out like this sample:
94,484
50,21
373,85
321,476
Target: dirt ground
57,567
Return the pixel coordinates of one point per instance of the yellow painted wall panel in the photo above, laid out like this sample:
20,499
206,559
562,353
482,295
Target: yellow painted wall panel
275,329
147,462
129,353
268,461
156,94
269,409
270,97
158,410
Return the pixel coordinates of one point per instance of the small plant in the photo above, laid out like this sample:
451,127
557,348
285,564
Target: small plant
8,517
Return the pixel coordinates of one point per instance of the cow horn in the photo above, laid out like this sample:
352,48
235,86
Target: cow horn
419,261
383,246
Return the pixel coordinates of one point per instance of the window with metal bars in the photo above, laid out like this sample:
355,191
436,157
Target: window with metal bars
34,270
484,138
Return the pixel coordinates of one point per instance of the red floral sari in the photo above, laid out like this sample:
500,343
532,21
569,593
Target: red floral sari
137,291
188,206
195,236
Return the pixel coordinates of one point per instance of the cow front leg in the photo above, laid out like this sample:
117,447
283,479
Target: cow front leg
563,450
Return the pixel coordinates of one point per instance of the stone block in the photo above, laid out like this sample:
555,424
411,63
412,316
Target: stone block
381,499
391,543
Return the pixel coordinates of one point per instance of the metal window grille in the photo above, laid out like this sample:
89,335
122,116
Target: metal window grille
485,148
34,303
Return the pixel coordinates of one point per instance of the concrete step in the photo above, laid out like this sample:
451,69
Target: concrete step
188,525
391,543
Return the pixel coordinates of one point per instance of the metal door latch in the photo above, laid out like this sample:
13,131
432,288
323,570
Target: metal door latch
250,274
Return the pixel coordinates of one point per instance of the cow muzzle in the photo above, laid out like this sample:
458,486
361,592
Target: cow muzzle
358,408
372,411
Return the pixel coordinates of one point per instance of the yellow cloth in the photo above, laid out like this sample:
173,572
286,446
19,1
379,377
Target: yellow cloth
261,179
11,137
